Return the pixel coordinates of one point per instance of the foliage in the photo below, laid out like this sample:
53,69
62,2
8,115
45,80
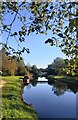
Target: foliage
61,18
63,67
56,68
63,83
28,67
32,71
59,64
71,67
11,65
21,70
67,79
8,64
35,71
12,104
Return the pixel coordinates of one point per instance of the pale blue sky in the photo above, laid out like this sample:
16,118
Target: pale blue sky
41,54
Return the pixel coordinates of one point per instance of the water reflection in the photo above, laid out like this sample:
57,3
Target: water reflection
29,86
58,87
51,99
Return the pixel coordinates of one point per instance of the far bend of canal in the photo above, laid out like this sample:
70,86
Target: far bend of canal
51,100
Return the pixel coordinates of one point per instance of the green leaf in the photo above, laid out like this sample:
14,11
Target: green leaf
51,7
33,3
20,33
15,33
70,6
5,26
71,24
58,30
27,50
49,41
66,31
21,39
23,28
60,35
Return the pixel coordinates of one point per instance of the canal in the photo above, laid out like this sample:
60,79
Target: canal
51,100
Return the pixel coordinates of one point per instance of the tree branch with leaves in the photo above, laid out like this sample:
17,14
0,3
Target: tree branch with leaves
61,18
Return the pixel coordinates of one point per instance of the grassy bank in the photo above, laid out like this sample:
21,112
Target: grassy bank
65,79
12,104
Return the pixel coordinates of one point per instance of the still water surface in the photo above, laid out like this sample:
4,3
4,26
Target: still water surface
52,100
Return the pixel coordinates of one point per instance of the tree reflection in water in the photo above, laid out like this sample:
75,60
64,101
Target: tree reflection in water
29,86
51,96
60,88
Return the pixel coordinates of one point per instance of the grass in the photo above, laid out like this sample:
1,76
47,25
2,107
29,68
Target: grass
12,104
65,77
69,78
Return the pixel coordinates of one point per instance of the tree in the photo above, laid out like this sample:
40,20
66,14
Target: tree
8,64
56,68
11,65
61,18
59,65
21,70
35,71
28,67
51,70
71,67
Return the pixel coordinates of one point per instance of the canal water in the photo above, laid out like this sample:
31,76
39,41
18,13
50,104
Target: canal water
51,99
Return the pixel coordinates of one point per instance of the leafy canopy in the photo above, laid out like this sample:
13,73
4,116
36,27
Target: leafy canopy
61,18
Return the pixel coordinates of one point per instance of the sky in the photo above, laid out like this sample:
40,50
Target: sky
41,54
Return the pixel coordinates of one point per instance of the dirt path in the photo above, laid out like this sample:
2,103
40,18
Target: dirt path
2,83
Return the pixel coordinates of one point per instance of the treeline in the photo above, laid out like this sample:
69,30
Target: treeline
62,66
12,65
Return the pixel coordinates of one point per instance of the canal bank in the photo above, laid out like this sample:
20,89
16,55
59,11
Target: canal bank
12,104
64,79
